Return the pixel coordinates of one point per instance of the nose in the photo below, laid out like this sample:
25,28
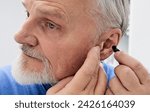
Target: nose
26,35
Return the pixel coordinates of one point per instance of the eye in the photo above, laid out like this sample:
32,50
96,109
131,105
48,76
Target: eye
51,25
27,13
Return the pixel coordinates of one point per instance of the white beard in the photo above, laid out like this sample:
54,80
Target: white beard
26,76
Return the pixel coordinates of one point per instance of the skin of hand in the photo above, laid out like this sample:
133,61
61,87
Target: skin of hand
132,78
89,80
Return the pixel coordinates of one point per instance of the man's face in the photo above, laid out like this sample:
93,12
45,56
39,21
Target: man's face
62,31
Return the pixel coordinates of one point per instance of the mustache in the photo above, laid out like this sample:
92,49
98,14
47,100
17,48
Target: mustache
32,52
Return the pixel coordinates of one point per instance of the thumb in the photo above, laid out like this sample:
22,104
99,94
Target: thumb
132,63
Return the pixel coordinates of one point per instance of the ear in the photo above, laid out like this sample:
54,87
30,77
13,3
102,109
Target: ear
109,39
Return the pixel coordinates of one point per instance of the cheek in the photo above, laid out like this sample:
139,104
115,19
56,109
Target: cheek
65,59
56,56
50,51
66,56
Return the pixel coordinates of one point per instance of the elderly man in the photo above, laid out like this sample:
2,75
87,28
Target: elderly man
63,43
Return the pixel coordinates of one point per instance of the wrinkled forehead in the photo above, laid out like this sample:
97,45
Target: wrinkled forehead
66,3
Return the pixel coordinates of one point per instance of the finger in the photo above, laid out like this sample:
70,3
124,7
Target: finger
60,85
116,86
86,72
90,88
135,65
109,92
102,82
127,77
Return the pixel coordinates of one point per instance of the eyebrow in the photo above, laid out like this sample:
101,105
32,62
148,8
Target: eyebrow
46,11
52,12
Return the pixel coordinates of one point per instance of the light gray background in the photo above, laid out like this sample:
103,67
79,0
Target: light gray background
139,41
12,15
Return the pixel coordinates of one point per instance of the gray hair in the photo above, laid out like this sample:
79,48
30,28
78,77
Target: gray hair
114,14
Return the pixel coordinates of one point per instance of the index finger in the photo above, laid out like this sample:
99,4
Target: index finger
88,70
135,65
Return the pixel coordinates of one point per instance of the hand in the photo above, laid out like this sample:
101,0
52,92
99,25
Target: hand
132,78
90,78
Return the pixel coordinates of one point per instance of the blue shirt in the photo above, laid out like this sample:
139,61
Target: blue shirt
8,86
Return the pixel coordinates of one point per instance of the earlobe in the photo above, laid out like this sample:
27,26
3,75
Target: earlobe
112,37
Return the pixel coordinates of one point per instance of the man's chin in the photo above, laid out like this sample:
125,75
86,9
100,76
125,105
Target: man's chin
30,75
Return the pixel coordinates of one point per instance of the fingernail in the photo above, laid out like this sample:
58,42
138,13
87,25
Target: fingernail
101,65
115,49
